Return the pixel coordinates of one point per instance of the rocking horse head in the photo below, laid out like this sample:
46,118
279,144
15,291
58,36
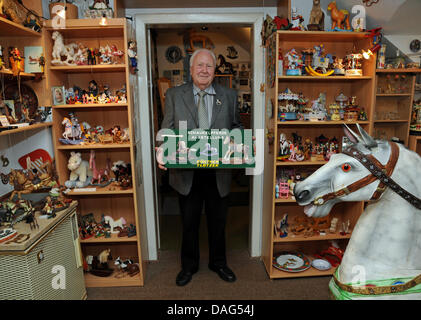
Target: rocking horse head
360,173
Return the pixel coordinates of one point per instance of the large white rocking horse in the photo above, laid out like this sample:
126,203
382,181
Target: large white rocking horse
383,257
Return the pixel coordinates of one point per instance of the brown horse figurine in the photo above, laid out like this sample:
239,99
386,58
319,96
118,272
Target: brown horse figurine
27,182
339,17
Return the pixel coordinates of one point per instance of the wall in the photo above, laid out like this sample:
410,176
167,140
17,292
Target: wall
220,40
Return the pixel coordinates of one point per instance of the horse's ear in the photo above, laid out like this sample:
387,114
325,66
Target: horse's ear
369,142
351,135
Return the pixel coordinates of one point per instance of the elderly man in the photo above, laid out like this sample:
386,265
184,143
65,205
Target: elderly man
206,105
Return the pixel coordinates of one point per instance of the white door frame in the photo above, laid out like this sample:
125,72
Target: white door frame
143,20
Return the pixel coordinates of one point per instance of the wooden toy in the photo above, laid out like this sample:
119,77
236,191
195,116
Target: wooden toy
340,18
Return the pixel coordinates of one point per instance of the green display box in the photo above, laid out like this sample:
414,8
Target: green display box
213,148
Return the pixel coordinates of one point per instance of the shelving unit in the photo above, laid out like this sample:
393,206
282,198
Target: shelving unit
393,101
111,200
415,144
340,44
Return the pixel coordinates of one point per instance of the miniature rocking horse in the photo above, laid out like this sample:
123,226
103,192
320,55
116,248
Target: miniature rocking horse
383,257
339,17
238,148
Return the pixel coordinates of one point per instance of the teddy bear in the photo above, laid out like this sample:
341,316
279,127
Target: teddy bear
80,174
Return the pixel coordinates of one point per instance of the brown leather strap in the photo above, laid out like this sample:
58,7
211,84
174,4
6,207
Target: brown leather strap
369,290
390,165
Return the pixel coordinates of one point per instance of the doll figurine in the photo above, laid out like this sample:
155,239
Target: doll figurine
16,61
131,52
93,88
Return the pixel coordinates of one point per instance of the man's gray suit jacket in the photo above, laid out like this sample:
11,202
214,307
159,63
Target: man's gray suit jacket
180,106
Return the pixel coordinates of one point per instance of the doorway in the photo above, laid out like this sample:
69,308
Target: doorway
161,57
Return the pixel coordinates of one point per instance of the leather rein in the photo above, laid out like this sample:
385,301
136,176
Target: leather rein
378,172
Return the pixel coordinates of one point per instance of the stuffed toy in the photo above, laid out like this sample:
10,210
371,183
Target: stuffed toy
80,174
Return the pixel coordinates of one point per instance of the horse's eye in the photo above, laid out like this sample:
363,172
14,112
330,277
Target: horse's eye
346,167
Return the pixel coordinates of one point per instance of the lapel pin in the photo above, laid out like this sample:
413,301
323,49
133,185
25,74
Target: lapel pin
218,102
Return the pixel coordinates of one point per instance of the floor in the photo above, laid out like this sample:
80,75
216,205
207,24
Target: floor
252,282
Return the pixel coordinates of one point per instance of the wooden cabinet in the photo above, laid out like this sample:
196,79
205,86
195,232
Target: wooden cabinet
274,209
110,200
393,104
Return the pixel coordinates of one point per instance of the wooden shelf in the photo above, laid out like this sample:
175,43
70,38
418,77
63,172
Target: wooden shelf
87,105
393,95
98,68
320,123
285,200
312,272
12,29
300,163
114,238
93,146
23,75
390,121
27,128
292,238
328,78
411,70
89,28
99,191
319,36
92,281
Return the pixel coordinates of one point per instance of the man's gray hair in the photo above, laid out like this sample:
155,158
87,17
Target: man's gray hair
202,50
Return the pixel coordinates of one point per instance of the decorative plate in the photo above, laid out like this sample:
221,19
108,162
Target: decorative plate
321,264
291,262
173,54
415,45
29,98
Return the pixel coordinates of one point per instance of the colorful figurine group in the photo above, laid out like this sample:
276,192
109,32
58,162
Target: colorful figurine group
93,95
314,62
89,228
76,54
84,133
294,106
298,150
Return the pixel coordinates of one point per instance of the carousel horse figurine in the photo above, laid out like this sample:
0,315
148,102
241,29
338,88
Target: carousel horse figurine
339,17
383,257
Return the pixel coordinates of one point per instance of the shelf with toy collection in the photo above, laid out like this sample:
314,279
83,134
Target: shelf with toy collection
393,103
97,118
14,35
307,235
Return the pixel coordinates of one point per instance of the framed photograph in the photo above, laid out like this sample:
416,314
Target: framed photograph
58,95
33,58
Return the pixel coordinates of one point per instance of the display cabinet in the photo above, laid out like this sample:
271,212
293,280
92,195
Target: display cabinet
276,206
111,200
393,103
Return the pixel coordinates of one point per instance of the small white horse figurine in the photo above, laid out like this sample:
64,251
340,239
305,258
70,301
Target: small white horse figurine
60,49
115,223
71,130
385,247
233,147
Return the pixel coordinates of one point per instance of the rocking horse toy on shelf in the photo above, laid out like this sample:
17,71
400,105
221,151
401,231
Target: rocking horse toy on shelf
340,18
385,241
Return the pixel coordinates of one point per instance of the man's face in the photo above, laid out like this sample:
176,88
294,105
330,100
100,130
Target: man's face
202,70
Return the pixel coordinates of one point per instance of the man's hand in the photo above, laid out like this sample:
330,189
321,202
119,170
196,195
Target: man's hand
160,158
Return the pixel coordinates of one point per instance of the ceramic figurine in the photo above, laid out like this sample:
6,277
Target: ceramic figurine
317,17
132,53
339,68
294,63
16,61
32,22
353,65
296,20
340,18
283,146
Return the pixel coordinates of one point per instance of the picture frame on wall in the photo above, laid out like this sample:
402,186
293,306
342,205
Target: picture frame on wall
33,59
58,95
